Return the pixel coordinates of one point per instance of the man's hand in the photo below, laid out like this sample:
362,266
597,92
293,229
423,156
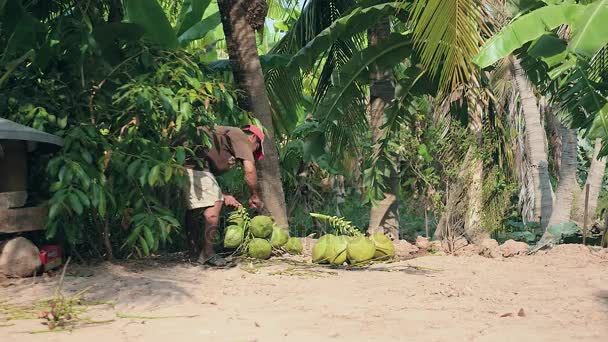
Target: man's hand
231,201
255,202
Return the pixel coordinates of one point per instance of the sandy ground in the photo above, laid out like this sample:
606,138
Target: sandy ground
559,295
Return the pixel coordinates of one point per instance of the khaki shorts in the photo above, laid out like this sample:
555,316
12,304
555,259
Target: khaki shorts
202,189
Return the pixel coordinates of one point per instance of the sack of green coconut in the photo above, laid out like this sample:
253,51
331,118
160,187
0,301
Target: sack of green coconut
330,249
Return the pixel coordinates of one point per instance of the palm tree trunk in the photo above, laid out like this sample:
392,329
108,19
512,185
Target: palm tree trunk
237,20
384,217
595,178
564,194
537,146
472,224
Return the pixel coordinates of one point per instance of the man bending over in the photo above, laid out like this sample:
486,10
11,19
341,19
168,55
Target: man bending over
230,145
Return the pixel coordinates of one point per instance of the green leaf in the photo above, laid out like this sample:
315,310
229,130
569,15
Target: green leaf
280,26
550,49
168,173
86,156
180,155
591,29
360,19
151,16
424,153
54,210
599,127
56,186
102,204
153,175
75,203
148,235
200,29
132,168
565,229
144,246
525,29
95,190
190,14
83,198
133,237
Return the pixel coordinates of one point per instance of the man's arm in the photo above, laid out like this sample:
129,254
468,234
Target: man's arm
251,178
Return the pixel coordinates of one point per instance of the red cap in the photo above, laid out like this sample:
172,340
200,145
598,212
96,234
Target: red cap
255,130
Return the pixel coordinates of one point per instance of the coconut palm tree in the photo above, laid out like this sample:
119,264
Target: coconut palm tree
240,19
384,217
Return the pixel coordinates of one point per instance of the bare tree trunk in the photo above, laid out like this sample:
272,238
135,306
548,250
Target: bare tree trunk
554,136
384,217
239,17
537,146
595,178
567,178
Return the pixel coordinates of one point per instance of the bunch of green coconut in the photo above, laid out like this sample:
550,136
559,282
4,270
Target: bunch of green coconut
350,245
258,237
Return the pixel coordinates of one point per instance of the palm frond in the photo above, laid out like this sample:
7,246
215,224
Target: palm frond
285,87
448,33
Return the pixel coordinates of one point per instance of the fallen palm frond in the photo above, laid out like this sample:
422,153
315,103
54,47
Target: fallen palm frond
120,315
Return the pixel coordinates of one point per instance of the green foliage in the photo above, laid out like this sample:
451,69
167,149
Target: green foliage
123,108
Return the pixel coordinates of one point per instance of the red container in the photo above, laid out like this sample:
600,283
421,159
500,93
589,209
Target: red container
50,256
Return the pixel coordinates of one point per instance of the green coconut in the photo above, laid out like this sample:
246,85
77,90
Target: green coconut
293,246
261,226
384,246
318,251
360,249
259,248
279,237
233,237
336,251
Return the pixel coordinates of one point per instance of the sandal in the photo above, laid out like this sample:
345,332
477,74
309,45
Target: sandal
216,261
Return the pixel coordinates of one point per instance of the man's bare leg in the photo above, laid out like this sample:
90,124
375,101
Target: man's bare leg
193,218
212,215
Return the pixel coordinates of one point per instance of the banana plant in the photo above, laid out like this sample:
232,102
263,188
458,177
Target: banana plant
191,24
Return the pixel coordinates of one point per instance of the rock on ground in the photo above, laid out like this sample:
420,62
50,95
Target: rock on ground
19,258
489,248
422,242
468,250
512,248
404,248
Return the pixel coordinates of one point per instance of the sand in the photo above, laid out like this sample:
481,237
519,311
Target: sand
558,295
